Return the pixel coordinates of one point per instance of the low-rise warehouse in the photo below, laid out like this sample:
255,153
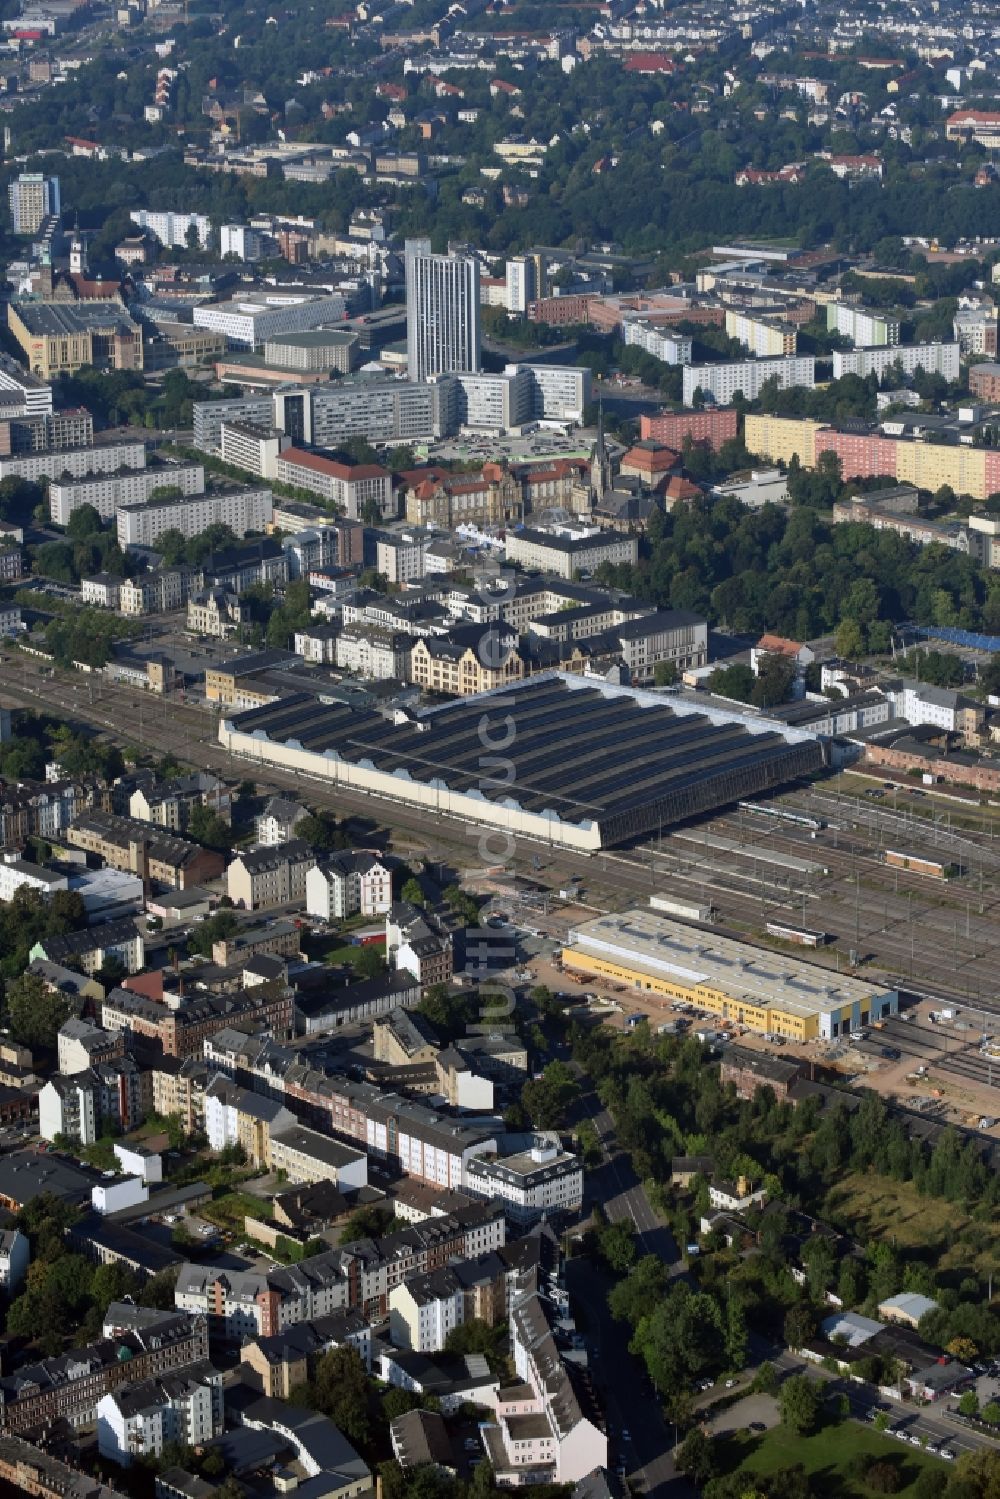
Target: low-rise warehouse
556,757
769,992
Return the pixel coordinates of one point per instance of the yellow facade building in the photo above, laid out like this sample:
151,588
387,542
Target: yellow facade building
742,985
782,438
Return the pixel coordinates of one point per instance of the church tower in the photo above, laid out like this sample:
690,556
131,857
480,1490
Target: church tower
600,463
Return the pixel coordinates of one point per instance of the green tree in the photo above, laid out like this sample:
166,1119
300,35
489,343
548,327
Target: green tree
696,1458
617,1247
369,962
413,892
549,1097
35,1012
799,1404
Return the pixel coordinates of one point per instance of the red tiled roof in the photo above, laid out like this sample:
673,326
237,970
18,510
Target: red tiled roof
331,466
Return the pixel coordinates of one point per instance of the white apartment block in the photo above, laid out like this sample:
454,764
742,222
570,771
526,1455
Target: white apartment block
542,1182
722,381
242,510
249,322
764,338
242,241
521,283
108,492
933,358
866,329
173,228
139,1420
106,458
68,1106
662,343
560,392
255,449
348,884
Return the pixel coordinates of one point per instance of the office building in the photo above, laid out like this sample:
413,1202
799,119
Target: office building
312,351
33,198
255,449
358,490
249,321
442,312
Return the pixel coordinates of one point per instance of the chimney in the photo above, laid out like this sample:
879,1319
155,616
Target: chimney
742,1187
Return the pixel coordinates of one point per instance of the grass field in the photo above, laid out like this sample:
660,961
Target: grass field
826,1457
876,1208
229,1210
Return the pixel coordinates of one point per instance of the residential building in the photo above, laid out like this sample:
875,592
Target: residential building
442,311
81,1045
866,329
160,857
933,358
722,381
242,241
142,523
169,804
305,1155
345,884
56,463
975,329
137,1420
270,876
15,1254
940,707
71,1386
182,1027
521,278
284,1359
276,824
715,425
424,1310
33,198
247,1304
108,492
543,1182
416,941
176,230
92,948
662,342
763,337
541,1433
